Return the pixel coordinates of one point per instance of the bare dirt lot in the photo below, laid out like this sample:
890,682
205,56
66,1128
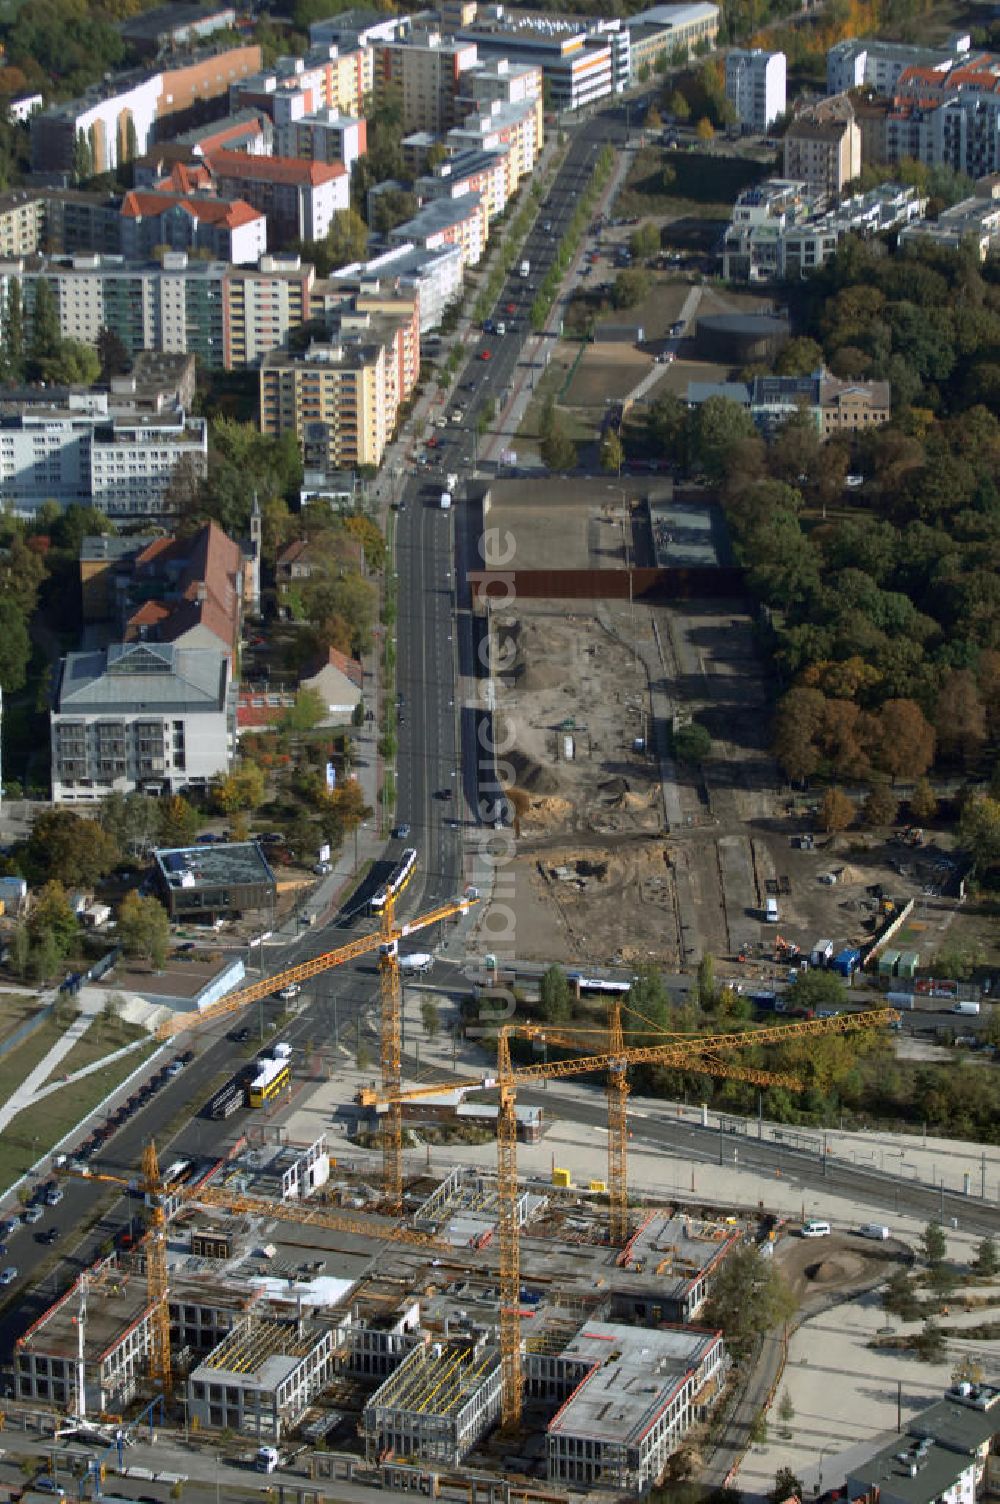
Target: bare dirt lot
606,372
592,875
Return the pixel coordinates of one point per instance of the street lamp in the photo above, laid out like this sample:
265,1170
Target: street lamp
819,1471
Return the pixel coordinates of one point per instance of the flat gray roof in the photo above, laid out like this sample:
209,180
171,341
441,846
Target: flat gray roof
687,533
193,867
638,1371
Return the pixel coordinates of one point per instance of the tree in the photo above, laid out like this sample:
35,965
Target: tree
797,724
718,424
923,802
144,928
83,158
799,357
704,130
968,1370
15,647
786,1485
880,807
645,241
707,991
987,1261
45,336
133,820
13,343
836,812
72,364
678,107
346,240
934,1243
430,1018
629,288
692,744
112,354
612,455
558,452
899,1297
70,848
554,996
814,990
960,718
392,208
748,1297
307,711
179,821
904,740
243,788
929,1344
979,829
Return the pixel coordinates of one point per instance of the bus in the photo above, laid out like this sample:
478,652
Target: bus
227,1100
597,984
398,880
273,1076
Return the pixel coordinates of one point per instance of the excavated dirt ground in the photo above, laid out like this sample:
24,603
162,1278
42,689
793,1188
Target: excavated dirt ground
591,865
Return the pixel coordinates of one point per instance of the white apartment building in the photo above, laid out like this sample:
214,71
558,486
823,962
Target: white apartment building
498,126
434,275
461,222
780,230
325,136
974,221
879,64
147,716
120,463
501,80
755,86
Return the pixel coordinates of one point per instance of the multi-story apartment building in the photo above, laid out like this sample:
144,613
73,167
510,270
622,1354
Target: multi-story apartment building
435,278
780,230
822,146
299,198
227,229
140,716
462,222
86,449
424,71
498,80
515,129
327,78
755,86
120,118
974,221
325,136
879,64
229,316
484,172
341,399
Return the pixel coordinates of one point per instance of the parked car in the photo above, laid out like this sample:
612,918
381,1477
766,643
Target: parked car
8,1275
240,1036
322,869
32,1215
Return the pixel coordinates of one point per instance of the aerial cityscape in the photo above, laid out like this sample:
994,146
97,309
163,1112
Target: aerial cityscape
500,752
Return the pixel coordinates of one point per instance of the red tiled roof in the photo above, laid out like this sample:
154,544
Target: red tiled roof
186,178
229,214
149,614
349,666
238,164
153,550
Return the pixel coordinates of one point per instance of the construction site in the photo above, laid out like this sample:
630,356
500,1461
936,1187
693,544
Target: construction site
482,1319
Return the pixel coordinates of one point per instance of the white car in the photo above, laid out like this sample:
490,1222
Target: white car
33,1214
322,869
8,1275
287,993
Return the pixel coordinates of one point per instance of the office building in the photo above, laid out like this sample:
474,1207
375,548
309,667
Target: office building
822,146
633,1396
755,86
210,881
670,33
141,716
575,59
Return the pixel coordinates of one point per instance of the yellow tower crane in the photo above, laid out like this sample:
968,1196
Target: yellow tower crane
700,1052
160,1368
385,940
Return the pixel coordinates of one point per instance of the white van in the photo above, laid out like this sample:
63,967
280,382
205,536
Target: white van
877,1230
815,1229
771,910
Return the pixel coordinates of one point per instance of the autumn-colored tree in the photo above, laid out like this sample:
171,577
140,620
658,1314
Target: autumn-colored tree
988,681
796,727
843,738
243,788
979,827
704,130
960,717
904,740
881,806
923,801
836,811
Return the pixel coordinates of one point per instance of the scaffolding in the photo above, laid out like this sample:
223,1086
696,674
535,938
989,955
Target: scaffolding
247,1348
437,1404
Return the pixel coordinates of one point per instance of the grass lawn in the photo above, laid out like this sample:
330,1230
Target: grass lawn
15,1066
15,1009
549,384
102,1038
38,1128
